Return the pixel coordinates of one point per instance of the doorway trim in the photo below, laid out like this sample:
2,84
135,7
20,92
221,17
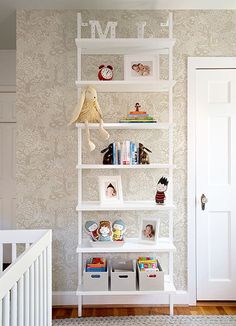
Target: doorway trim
194,64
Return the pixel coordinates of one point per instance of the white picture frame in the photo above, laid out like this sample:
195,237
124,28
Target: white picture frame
110,190
140,67
149,230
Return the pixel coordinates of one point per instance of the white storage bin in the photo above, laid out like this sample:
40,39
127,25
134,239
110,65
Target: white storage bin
151,280
95,281
123,276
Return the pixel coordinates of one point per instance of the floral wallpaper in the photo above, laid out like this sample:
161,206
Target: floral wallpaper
47,148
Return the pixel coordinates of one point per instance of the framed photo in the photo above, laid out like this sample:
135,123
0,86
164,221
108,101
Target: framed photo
149,230
140,67
110,190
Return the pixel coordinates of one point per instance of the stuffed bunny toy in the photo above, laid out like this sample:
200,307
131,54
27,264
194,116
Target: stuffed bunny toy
88,111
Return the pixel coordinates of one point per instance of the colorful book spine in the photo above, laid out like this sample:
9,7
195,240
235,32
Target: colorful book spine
118,153
114,153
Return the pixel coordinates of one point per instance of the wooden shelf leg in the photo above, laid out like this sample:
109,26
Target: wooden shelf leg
171,305
80,302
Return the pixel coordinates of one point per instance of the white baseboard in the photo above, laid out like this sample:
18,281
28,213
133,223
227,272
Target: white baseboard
68,298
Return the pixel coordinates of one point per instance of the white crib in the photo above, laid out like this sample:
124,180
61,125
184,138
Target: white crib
26,284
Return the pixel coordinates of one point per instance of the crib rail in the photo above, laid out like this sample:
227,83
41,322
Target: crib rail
25,286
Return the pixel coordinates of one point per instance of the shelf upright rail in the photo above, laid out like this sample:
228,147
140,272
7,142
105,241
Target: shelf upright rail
80,216
171,149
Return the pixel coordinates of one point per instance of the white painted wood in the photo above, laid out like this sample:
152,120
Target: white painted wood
40,290
128,86
194,64
13,252
159,125
6,310
26,298
138,166
31,295
14,305
123,45
131,245
1,257
7,107
49,282
20,301
125,206
44,289
36,294
21,236
7,70
216,226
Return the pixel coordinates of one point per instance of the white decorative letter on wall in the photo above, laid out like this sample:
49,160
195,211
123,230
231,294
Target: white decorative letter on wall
140,27
95,24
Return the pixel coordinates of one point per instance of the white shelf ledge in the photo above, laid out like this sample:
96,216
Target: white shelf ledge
125,206
158,125
130,245
169,288
119,166
123,45
127,86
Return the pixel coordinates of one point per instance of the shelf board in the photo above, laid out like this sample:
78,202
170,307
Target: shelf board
119,166
131,245
158,125
127,86
123,45
125,206
169,288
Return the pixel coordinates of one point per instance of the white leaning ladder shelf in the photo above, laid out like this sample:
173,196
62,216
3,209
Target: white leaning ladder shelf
26,284
154,46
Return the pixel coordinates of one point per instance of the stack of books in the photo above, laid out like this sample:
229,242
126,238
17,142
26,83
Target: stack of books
125,153
96,264
138,116
148,264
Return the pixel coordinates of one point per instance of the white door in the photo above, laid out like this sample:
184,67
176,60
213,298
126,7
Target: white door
216,179
7,160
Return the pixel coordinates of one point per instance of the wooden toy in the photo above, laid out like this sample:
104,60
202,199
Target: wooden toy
161,189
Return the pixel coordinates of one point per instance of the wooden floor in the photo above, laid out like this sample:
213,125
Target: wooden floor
202,308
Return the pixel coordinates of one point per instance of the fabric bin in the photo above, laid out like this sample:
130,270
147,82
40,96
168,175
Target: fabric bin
151,280
95,281
123,276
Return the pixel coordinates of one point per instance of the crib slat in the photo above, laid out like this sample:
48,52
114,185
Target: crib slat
27,245
49,283
14,306
20,302
41,290
6,310
32,293
13,252
36,292
44,288
26,298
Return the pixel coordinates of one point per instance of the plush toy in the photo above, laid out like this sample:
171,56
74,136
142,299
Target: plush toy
105,231
88,111
161,189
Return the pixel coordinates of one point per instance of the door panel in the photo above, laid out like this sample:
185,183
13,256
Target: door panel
216,178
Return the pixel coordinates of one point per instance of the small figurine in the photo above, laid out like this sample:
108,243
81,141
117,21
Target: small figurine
88,111
161,188
92,228
105,72
137,107
143,156
105,231
118,228
108,156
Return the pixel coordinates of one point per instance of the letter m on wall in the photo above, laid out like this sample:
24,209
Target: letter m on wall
95,25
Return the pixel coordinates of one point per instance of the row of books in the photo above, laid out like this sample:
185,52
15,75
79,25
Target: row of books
148,264
125,153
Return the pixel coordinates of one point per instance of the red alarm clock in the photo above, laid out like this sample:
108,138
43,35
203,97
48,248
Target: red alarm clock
105,72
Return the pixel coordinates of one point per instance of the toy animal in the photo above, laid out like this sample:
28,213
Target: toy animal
88,111
143,155
108,156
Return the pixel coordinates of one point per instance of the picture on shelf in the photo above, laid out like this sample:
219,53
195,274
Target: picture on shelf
140,67
149,230
110,190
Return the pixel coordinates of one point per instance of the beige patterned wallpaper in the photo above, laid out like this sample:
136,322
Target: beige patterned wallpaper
47,148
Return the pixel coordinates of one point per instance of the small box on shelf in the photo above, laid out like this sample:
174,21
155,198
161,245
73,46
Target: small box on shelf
95,279
123,276
151,279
